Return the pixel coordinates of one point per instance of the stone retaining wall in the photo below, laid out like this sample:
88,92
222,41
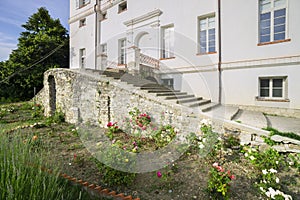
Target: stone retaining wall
89,98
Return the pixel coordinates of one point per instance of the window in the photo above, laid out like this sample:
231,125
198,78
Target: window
82,22
103,49
272,87
82,54
168,42
122,7
81,3
168,82
122,51
272,20
207,35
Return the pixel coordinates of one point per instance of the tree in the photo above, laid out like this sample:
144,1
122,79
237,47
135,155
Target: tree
43,45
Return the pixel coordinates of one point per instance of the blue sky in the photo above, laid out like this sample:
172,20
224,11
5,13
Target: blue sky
14,13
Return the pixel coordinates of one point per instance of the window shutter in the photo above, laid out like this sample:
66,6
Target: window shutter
77,3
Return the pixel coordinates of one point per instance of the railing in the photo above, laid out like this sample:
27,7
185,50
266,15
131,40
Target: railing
149,61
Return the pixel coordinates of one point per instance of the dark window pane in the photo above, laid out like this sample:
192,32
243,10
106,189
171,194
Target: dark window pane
264,92
280,12
280,20
265,31
279,36
211,31
277,92
264,82
265,16
277,82
265,38
212,49
280,28
202,49
265,24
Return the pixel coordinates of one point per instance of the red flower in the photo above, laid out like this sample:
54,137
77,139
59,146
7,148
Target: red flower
110,124
232,177
159,174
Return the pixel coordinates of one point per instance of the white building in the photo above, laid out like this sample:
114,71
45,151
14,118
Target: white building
256,64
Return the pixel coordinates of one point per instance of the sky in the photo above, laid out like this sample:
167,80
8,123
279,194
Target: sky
14,13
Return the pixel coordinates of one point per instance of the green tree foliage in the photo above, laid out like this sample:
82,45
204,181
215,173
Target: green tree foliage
43,45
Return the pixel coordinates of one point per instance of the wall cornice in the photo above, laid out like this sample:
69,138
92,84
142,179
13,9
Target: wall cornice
149,15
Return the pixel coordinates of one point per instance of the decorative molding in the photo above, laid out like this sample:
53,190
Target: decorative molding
84,14
152,14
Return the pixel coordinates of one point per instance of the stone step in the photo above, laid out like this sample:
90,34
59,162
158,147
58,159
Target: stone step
208,107
154,87
251,118
171,94
199,103
161,90
180,97
224,111
189,100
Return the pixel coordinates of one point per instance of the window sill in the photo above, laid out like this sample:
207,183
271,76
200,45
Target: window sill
103,19
167,58
274,42
201,54
271,99
82,26
121,65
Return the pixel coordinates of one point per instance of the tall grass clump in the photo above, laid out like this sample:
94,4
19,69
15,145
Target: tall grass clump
22,177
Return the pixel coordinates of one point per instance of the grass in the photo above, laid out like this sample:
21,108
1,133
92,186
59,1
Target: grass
21,167
274,131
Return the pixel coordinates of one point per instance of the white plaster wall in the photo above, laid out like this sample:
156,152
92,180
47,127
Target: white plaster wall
240,86
83,37
240,32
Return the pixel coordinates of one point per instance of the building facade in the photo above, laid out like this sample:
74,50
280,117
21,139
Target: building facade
233,52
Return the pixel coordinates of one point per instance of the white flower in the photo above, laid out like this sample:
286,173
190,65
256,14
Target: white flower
252,158
262,189
272,192
273,170
204,140
219,138
264,171
277,180
291,163
276,162
201,146
206,122
246,154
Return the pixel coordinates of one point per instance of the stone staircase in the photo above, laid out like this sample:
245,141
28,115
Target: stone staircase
166,93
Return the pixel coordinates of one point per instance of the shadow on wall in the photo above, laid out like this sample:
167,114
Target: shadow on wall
52,94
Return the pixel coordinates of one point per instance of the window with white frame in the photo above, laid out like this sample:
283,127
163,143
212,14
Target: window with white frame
207,35
81,3
103,49
168,41
122,51
82,54
272,87
272,20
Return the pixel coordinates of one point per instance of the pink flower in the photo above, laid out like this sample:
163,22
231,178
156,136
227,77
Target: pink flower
220,169
144,128
110,124
215,164
232,177
159,174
